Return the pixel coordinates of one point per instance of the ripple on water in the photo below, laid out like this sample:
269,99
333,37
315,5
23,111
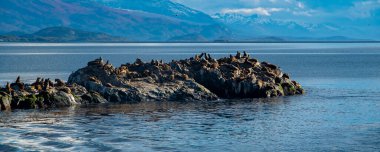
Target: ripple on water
317,121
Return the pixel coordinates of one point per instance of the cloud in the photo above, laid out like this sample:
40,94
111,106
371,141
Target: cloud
364,9
251,11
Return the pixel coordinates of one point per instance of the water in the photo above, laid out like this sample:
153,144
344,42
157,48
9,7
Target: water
340,112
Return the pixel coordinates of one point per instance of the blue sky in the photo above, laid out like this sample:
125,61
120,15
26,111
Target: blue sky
303,10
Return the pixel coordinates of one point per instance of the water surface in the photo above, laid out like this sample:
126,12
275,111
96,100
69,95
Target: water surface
340,111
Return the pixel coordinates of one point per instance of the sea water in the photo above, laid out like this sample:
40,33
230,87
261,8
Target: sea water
339,112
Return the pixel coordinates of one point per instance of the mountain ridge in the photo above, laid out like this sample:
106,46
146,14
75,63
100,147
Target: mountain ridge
62,34
33,15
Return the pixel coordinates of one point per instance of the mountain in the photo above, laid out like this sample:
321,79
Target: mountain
159,24
256,27
188,38
163,7
62,34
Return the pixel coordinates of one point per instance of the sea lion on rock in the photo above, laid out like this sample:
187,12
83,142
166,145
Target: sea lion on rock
185,76
209,57
51,84
196,58
238,55
46,85
215,65
272,66
18,79
139,62
109,85
59,83
232,58
286,76
93,79
245,55
201,56
18,85
8,88
96,62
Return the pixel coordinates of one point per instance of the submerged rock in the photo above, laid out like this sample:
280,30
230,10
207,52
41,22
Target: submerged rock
201,78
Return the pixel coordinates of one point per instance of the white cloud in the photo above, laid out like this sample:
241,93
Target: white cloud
251,11
364,9
302,13
300,5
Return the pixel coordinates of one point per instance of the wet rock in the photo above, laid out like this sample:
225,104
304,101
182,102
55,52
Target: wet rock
93,98
238,76
201,78
5,101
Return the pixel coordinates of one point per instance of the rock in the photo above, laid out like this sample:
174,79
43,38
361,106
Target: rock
236,77
201,78
93,98
63,99
26,102
5,101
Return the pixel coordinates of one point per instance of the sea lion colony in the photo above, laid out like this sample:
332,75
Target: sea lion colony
199,78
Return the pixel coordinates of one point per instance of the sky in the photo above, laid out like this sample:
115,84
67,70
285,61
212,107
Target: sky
304,10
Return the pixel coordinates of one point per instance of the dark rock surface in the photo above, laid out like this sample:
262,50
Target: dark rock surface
200,78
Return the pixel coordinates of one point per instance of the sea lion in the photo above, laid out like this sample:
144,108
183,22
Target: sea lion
185,76
109,85
59,83
8,88
138,62
18,80
272,66
18,85
245,55
93,79
232,58
51,84
201,56
285,75
238,55
37,82
172,77
196,58
215,65
46,85
209,57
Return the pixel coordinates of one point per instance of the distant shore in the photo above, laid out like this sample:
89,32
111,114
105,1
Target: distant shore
206,42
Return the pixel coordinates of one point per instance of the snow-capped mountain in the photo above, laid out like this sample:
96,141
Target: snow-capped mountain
256,26
163,7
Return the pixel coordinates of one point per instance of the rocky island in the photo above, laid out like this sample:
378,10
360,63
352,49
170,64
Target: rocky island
199,78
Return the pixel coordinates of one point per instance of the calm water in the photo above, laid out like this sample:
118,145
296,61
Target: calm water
340,112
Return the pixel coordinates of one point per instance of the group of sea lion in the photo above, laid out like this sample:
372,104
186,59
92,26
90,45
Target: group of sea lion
40,84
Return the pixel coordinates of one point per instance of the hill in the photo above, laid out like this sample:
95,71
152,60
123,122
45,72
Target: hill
158,24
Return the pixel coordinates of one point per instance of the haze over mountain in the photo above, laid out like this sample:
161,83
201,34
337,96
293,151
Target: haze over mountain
61,34
177,20
312,19
153,23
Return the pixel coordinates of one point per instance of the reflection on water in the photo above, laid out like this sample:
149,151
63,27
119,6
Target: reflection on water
340,111
318,121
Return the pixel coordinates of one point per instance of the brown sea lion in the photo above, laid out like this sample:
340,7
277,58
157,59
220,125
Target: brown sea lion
238,55
8,88
59,83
